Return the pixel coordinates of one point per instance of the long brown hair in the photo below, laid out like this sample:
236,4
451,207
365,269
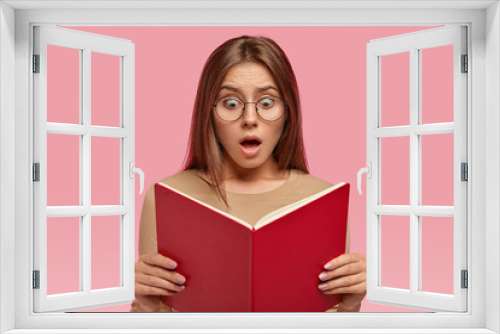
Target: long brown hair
205,152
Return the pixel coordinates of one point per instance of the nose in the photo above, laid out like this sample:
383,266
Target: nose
250,113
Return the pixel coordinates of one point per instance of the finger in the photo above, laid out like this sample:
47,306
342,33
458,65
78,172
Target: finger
152,291
149,284
343,282
145,290
348,269
359,289
159,260
169,275
157,281
344,259
347,281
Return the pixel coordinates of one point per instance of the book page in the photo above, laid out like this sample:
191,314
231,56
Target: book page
272,216
234,218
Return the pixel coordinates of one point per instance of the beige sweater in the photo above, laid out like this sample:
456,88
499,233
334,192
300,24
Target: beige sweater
248,207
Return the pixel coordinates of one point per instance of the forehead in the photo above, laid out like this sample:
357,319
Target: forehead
249,73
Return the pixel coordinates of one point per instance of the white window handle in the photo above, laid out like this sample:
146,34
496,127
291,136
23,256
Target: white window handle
133,170
368,171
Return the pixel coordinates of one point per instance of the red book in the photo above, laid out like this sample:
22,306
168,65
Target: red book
231,266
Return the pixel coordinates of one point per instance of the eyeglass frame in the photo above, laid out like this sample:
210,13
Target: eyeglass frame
256,108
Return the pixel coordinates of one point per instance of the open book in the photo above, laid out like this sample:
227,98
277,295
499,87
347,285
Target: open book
232,266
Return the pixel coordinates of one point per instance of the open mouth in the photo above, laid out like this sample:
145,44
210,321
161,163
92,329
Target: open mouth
250,144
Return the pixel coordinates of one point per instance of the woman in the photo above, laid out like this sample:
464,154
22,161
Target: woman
246,157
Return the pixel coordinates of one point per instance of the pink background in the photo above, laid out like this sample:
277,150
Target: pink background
330,65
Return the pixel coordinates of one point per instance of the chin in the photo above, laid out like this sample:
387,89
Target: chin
247,163
250,164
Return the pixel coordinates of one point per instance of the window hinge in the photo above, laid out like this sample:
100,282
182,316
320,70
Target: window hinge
465,64
36,63
465,172
465,279
36,172
36,279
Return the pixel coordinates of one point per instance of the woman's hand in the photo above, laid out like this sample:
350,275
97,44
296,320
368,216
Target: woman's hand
345,274
154,278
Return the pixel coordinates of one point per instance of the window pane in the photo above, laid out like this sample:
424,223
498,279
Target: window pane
63,170
395,171
437,169
105,171
63,85
395,253
437,84
63,255
105,250
395,89
437,254
109,309
105,93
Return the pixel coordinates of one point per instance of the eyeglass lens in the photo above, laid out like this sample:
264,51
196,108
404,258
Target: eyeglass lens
231,108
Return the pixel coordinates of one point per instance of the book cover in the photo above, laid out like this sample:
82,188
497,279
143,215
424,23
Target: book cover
232,266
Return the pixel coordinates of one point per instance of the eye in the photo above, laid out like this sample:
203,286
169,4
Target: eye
231,103
266,102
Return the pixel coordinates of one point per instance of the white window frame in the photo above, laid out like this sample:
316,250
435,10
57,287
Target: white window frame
483,20
414,43
123,51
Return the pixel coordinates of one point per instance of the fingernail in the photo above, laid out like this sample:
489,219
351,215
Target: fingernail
181,279
322,276
322,286
329,266
172,264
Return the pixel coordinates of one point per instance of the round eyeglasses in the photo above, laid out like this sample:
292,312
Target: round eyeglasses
231,108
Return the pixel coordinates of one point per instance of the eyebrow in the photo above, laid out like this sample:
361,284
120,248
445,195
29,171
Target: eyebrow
259,89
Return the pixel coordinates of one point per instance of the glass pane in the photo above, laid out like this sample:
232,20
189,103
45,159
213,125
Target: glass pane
395,171
109,309
63,170
395,252
105,93
105,250
63,255
437,84
395,89
105,171
437,169
437,254
63,85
